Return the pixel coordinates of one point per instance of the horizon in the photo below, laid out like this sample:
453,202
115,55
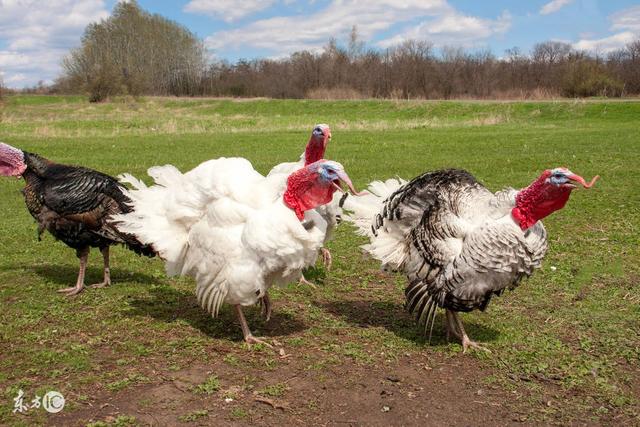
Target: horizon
33,42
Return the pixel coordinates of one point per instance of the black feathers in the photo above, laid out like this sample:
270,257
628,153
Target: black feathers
75,204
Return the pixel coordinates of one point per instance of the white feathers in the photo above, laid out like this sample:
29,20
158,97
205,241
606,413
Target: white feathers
223,224
388,247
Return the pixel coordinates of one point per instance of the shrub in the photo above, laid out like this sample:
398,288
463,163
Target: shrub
587,78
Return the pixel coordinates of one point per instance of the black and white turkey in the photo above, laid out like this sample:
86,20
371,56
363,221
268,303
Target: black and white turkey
457,242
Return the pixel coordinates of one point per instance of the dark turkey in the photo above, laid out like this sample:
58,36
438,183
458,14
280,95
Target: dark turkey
74,204
458,243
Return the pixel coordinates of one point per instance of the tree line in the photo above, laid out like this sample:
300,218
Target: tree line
134,52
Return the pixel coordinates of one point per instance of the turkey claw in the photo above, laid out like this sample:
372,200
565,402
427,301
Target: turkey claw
75,290
250,339
304,281
100,285
467,343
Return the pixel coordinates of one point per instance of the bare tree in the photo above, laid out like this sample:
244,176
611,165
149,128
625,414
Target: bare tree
135,52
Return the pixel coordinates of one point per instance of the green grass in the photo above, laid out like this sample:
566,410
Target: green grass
574,324
210,386
194,416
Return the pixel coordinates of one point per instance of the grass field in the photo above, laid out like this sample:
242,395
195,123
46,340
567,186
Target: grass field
565,344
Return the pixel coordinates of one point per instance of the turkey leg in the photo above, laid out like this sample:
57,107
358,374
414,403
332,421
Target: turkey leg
326,258
265,302
83,254
248,337
454,326
304,281
107,271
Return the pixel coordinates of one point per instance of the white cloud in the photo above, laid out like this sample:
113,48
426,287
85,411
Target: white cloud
36,37
554,6
453,29
286,34
606,44
626,21
228,10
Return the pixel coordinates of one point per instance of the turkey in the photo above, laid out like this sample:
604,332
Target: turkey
315,149
74,204
231,229
458,243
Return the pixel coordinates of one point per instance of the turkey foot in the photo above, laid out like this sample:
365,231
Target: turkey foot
304,281
107,272
255,340
467,343
74,290
248,336
454,327
265,302
326,258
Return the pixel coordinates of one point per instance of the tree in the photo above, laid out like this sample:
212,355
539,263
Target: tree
134,52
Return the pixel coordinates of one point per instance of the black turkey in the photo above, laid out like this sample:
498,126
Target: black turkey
74,204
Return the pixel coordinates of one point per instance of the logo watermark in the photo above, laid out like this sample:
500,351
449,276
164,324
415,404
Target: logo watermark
52,402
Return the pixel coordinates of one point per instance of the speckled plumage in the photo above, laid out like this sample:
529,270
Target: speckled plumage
454,239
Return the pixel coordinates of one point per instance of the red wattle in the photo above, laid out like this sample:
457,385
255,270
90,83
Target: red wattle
305,192
539,200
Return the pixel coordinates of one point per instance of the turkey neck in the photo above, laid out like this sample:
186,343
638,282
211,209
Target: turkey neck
36,165
305,192
315,150
537,201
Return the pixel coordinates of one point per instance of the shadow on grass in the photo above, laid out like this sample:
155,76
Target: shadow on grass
394,318
169,304
63,274
315,275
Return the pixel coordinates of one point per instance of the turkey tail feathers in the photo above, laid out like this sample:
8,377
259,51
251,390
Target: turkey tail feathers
362,210
148,225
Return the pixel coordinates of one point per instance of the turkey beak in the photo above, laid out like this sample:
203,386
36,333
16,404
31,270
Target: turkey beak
580,180
345,178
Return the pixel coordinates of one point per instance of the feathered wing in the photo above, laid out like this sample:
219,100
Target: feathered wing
89,198
164,214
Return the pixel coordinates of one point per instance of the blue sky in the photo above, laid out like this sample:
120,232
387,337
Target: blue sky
35,35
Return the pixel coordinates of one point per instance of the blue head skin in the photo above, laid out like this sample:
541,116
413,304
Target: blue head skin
332,173
321,131
563,177
329,171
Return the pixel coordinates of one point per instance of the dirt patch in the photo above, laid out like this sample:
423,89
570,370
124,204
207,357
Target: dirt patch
430,391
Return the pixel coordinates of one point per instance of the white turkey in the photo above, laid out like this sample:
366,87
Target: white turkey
314,151
458,243
232,229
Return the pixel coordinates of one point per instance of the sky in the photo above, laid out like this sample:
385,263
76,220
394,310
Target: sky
35,35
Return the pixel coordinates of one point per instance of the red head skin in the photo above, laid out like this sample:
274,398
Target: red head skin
317,144
11,161
544,196
314,185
